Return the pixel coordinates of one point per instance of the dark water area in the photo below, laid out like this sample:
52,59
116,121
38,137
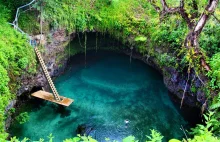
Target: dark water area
106,92
192,115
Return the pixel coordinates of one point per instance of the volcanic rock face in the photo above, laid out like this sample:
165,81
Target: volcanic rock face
55,58
176,81
53,53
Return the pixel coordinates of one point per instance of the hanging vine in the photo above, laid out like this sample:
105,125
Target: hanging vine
85,44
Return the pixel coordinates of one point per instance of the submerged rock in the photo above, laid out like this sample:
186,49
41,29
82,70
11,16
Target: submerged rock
85,129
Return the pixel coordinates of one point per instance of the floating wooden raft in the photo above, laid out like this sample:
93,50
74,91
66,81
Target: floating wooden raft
49,97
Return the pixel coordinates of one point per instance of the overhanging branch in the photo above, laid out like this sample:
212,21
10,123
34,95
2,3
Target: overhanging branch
192,38
180,10
210,8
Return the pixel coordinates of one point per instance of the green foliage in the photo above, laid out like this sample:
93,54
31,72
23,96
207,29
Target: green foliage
215,103
15,56
117,17
14,139
211,126
170,33
214,74
22,117
209,39
140,39
129,139
207,137
29,23
193,89
23,62
75,139
167,60
215,106
50,137
12,110
155,136
80,138
12,7
174,140
134,22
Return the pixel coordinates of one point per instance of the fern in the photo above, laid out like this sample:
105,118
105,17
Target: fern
215,106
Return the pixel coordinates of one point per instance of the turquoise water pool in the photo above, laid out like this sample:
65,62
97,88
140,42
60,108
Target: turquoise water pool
106,92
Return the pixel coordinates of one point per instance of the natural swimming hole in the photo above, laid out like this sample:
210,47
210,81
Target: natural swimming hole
108,91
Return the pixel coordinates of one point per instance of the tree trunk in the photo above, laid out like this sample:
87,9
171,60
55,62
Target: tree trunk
191,40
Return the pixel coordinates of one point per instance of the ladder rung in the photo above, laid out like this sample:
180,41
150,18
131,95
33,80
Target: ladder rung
52,86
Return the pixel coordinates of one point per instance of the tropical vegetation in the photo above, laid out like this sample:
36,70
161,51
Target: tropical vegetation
180,34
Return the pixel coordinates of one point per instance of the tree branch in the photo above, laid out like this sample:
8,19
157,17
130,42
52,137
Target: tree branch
210,8
185,88
164,5
191,40
199,77
185,16
182,4
157,8
171,10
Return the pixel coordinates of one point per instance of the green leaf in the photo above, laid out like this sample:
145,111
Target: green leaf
129,139
174,140
140,39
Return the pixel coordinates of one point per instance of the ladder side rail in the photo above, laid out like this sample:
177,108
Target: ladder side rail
55,93
43,66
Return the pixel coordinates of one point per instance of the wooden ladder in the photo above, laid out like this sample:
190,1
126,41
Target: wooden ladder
53,88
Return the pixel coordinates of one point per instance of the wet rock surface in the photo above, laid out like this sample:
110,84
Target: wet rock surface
176,81
55,64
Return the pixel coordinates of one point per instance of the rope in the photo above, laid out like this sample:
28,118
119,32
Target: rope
17,13
15,22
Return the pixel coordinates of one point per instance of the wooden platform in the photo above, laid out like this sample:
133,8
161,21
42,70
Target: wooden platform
49,97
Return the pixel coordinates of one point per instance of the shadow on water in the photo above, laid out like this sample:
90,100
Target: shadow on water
190,114
63,111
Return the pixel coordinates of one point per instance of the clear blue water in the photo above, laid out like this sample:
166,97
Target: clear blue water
106,92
